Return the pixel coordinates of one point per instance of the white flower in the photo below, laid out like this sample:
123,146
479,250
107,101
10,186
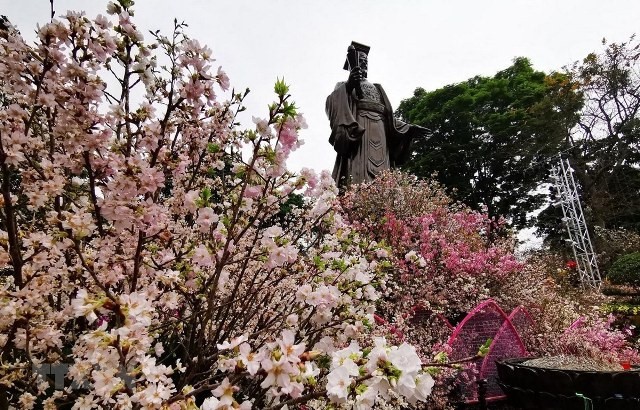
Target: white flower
406,384
292,320
112,8
367,399
246,405
290,350
405,359
250,359
410,256
262,126
377,355
82,305
279,372
210,403
105,382
273,231
180,367
424,383
158,349
344,357
325,345
27,401
225,392
310,370
234,342
338,382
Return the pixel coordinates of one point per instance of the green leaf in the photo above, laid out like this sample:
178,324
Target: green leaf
281,88
289,109
213,148
484,349
205,194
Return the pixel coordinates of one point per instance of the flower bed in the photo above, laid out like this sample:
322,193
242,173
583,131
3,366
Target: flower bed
535,387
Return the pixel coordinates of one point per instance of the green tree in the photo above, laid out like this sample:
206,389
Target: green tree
605,144
603,148
493,137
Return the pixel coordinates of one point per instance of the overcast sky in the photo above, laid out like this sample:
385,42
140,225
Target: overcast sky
414,43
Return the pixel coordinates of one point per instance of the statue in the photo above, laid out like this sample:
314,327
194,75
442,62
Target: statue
364,133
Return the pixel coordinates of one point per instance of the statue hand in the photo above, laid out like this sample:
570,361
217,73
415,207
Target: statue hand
421,132
355,77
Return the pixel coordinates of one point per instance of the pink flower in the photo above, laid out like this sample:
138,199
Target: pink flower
206,218
253,191
201,257
223,79
310,177
190,199
151,180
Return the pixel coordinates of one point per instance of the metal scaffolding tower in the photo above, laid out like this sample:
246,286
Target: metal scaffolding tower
568,198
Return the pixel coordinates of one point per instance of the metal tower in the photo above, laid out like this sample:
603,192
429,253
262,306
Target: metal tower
568,198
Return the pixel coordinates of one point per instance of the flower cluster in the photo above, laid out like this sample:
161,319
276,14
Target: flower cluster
153,254
447,257
596,338
355,376
373,373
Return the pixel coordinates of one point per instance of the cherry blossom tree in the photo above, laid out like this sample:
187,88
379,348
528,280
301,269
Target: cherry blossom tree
158,253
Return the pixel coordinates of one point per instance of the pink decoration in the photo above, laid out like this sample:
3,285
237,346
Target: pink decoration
522,321
488,321
506,344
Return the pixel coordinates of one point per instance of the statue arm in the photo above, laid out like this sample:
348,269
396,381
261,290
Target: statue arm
345,130
400,147
401,134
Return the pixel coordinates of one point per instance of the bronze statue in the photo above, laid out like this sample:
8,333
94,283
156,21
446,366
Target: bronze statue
364,133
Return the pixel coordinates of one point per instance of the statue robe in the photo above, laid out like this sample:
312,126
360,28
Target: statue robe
365,136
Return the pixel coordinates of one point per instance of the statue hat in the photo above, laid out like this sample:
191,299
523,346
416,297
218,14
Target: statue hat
359,47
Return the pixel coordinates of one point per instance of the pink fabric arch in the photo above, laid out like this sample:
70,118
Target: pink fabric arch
484,322
523,322
506,344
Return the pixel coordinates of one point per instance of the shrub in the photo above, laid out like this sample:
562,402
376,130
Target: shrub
626,270
613,243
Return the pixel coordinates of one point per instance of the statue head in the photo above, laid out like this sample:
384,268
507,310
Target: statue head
357,54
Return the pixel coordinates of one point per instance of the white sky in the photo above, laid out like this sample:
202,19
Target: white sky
414,43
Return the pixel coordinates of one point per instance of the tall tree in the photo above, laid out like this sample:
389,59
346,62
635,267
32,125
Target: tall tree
605,144
492,137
